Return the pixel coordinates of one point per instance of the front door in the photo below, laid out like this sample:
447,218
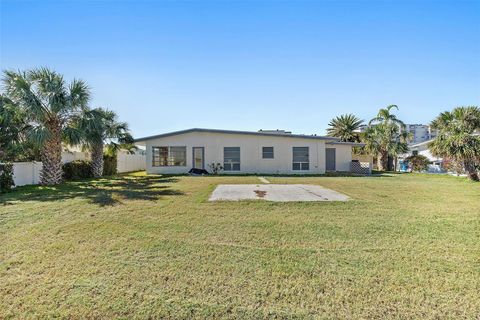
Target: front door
198,158
330,159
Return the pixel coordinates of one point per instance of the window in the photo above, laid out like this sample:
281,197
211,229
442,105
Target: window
159,156
231,158
267,152
300,158
169,156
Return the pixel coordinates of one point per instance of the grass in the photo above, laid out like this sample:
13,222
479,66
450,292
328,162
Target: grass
140,246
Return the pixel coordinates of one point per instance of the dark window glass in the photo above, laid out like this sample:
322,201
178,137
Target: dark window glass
177,156
300,158
231,158
267,152
169,156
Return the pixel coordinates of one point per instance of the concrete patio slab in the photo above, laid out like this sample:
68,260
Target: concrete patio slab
275,192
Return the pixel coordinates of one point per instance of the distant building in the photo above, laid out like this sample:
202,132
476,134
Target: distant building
419,132
362,128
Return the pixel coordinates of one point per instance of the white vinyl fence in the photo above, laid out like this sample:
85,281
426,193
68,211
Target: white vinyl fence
29,172
131,162
26,173
69,156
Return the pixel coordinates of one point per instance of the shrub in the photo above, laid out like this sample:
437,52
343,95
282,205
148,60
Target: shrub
109,165
418,162
215,167
78,169
6,177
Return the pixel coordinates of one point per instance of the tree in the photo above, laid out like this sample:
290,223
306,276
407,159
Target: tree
457,139
386,137
50,105
6,177
381,140
386,117
100,127
345,127
418,162
14,127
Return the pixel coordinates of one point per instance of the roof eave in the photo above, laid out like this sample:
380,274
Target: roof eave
234,132
346,143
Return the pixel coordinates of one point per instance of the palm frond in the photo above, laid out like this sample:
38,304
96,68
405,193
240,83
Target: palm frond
21,91
50,85
345,127
79,94
457,139
390,107
38,134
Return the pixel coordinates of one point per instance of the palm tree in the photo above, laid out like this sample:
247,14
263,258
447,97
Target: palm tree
386,137
382,140
50,104
458,138
99,127
385,116
345,127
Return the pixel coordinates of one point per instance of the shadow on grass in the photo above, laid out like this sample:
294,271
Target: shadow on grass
104,192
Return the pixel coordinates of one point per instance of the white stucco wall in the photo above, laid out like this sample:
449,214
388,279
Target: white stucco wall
343,156
250,152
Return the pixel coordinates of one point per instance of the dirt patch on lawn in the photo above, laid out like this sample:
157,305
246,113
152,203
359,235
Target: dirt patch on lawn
260,193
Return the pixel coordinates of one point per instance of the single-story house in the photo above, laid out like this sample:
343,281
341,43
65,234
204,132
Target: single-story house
264,151
436,164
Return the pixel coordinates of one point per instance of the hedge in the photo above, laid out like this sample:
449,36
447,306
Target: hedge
78,169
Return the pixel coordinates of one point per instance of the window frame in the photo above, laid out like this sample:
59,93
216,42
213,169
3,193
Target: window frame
165,161
268,152
231,164
301,164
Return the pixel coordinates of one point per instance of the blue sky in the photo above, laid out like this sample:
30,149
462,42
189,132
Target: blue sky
170,65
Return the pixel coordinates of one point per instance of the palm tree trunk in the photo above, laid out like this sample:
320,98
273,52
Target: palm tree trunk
51,156
382,161
97,160
471,170
390,163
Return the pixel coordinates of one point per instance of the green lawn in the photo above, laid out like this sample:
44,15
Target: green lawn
406,246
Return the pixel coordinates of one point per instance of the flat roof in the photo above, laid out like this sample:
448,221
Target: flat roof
271,134
420,143
347,143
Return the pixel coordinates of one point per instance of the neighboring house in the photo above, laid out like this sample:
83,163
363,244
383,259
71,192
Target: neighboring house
265,151
421,148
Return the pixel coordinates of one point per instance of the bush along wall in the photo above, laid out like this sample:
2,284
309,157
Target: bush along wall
418,162
109,165
6,177
76,170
